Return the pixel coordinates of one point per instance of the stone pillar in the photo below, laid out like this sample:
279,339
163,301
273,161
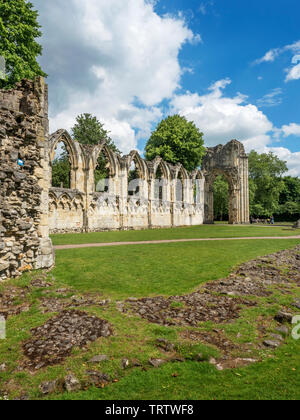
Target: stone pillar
24,179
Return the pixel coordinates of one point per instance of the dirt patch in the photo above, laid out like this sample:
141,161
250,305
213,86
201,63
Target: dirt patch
53,342
12,302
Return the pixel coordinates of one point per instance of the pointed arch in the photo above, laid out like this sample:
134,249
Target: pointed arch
64,137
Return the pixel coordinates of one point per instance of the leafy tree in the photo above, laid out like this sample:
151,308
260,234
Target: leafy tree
266,183
61,170
88,130
19,29
290,199
291,191
221,198
177,140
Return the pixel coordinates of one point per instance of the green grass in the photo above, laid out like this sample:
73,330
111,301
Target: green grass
195,232
149,270
166,269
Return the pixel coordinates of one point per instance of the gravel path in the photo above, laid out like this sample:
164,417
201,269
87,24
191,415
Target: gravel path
168,241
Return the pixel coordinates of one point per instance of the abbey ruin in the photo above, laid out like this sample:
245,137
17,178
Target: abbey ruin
160,195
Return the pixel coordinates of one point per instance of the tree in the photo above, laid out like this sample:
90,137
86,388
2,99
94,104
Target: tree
19,29
266,183
177,140
290,199
88,130
61,170
221,198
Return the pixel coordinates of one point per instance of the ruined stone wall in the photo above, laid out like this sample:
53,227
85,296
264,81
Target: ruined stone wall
230,161
82,209
24,190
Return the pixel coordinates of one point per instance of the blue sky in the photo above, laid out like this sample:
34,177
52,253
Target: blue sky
233,67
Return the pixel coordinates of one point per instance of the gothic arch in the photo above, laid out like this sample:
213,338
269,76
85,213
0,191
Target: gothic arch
232,162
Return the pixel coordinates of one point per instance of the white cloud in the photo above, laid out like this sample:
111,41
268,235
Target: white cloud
292,159
291,129
293,73
115,59
223,118
271,99
269,57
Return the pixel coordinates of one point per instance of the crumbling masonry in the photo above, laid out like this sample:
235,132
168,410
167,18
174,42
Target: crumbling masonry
30,208
24,190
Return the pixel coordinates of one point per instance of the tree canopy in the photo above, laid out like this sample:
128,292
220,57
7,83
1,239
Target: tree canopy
266,171
177,140
88,130
19,29
61,170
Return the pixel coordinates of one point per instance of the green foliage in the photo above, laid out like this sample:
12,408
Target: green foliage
19,29
61,169
221,198
88,130
177,140
266,183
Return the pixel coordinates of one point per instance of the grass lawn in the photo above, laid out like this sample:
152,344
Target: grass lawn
204,231
165,269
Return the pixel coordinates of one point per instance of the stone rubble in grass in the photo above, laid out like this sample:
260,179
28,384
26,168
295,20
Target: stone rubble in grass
3,367
165,344
283,317
283,330
157,362
296,303
125,363
272,344
72,384
53,342
97,378
10,301
40,283
221,301
50,305
99,359
49,387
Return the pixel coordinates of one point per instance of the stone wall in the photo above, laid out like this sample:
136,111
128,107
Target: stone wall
24,230
82,209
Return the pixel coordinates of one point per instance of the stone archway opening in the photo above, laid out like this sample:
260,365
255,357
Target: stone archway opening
102,173
231,162
134,179
221,199
61,167
159,184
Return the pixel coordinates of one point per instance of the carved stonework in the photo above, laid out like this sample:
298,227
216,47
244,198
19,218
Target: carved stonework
232,162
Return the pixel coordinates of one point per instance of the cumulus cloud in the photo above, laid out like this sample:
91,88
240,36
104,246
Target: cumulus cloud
223,118
115,59
291,129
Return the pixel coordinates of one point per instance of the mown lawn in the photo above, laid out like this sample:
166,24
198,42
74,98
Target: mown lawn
167,269
194,232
